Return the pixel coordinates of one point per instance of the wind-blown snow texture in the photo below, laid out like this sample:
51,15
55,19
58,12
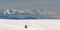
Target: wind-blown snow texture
29,14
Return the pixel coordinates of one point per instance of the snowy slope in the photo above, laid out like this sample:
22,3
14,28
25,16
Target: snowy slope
31,24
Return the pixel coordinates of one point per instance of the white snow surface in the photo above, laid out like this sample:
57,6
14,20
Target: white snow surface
31,24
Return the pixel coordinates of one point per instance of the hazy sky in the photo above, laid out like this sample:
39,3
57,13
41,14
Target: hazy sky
30,4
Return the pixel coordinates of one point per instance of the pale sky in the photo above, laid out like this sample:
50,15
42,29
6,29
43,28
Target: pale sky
54,4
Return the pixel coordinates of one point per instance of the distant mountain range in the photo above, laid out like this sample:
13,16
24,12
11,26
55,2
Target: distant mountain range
29,14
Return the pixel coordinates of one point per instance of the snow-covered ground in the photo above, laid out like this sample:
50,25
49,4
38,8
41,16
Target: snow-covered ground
46,24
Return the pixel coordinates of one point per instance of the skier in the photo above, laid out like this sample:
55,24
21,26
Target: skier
26,26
